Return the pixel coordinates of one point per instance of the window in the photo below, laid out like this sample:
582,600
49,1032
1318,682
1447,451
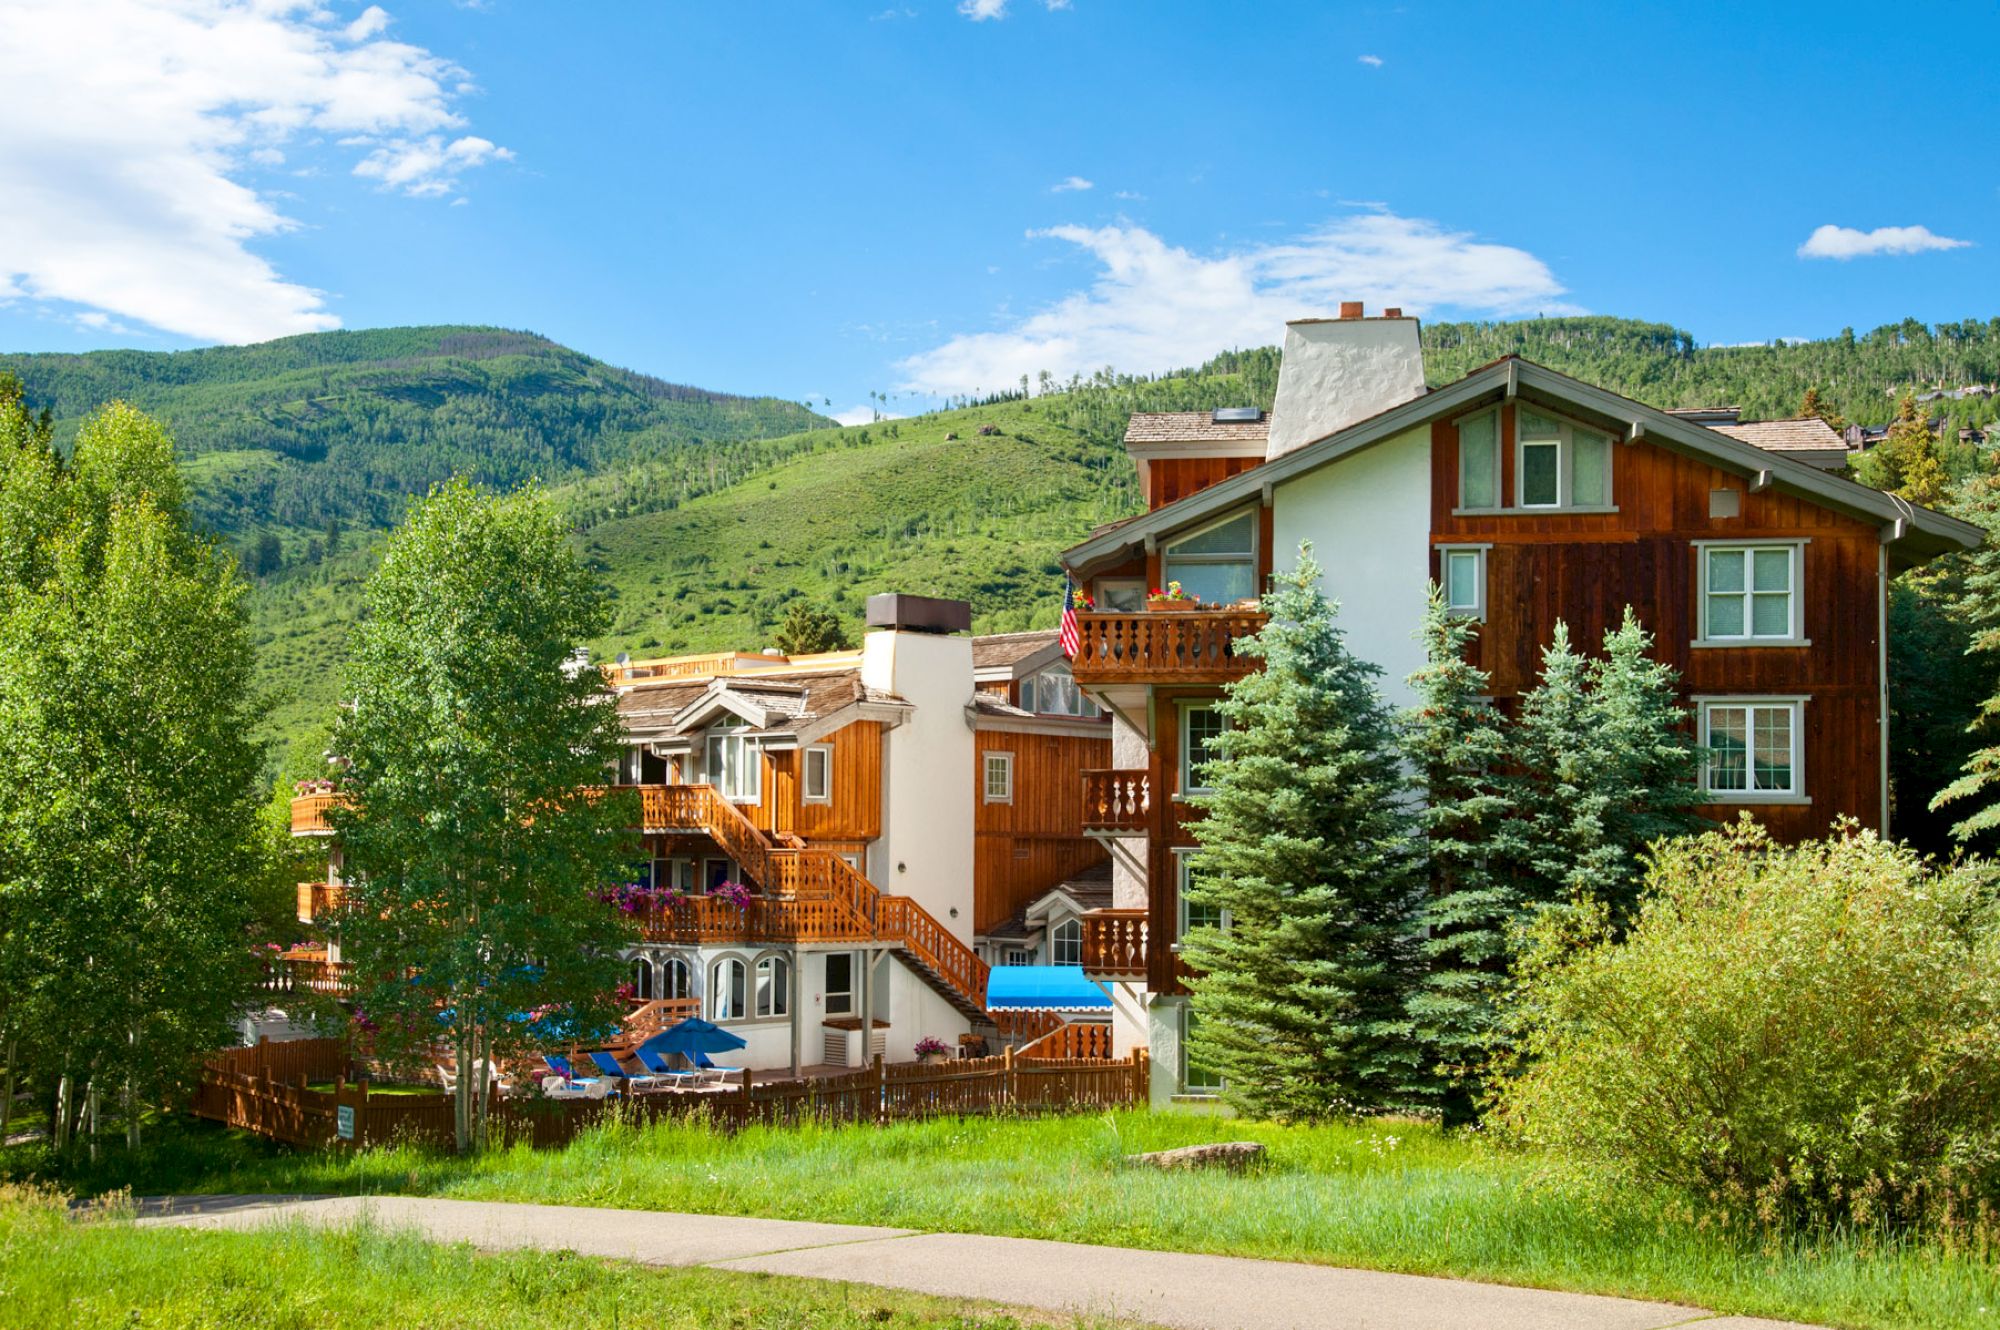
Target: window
1462,570
1193,915
1754,749
839,983
735,767
818,779
1560,465
1199,728
774,982
1018,956
1053,692
677,978
715,872
1121,595
1748,593
1197,1077
1066,943
726,990
1479,460
1218,564
642,979
999,781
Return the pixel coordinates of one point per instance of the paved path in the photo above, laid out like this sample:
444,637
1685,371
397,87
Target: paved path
1177,1289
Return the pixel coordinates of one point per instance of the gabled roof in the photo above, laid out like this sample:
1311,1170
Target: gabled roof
1193,427
1006,651
1808,434
1912,533
792,704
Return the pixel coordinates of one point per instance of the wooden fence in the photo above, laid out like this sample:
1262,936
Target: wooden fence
263,1089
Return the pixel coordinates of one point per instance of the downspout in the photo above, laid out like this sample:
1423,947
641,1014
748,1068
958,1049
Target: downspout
1882,672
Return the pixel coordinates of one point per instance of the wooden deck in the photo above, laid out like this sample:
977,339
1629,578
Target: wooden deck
1163,647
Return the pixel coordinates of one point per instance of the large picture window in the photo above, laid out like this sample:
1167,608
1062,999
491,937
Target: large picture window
1749,593
1218,564
735,767
1559,465
1754,748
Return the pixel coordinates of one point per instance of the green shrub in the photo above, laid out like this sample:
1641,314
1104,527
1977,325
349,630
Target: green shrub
1796,1036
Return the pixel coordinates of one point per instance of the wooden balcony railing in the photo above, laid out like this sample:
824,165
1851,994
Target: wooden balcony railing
329,978
317,900
649,1018
309,814
900,919
702,808
1193,646
707,919
1117,801
1074,1040
1114,943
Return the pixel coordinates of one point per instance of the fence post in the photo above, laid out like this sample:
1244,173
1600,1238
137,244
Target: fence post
881,1083
748,1076
1142,1079
1007,1076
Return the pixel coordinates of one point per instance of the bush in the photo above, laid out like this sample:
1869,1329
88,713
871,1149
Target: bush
1796,1036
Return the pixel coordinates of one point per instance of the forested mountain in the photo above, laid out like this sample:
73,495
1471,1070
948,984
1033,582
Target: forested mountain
706,526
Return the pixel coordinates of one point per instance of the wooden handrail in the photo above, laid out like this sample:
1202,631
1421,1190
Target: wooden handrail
707,919
1078,1040
1117,800
1197,646
901,919
1114,942
309,814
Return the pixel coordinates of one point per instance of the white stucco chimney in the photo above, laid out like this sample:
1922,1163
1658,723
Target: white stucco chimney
1338,371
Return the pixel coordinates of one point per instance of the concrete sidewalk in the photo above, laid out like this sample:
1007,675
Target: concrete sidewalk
1177,1289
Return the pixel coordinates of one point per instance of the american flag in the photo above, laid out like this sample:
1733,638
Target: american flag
1070,641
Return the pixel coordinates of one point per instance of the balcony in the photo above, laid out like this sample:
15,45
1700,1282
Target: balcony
309,814
1114,944
299,974
1169,647
317,900
1117,802
702,920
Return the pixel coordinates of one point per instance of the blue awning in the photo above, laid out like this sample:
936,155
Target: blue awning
1043,988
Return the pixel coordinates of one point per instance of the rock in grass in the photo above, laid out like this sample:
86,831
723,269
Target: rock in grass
1236,1156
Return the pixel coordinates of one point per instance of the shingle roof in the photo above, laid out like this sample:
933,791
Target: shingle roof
1809,434
1191,426
997,649
798,697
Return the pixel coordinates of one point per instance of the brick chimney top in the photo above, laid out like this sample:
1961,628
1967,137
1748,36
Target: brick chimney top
1350,309
1393,312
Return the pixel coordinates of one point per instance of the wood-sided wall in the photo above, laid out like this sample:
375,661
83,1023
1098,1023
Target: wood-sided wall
1584,568
1023,848
855,812
1171,478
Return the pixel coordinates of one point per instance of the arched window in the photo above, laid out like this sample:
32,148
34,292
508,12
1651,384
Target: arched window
774,983
642,978
726,990
676,978
1066,943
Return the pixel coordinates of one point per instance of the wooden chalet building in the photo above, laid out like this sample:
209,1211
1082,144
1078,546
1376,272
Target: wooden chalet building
881,806
1530,497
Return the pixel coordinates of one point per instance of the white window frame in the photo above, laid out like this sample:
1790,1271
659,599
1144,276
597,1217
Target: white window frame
719,1008
1186,1031
1182,872
845,995
645,980
771,987
1056,944
1186,775
1002,762
1565,445
1478,553
824,753
1795,631
748,787
1168,556
670,966
1017,956
1751,704
1499,444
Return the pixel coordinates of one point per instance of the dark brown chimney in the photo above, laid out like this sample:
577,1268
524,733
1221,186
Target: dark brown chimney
1350,309
1393,312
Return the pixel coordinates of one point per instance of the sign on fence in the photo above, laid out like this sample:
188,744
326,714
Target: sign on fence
343,1122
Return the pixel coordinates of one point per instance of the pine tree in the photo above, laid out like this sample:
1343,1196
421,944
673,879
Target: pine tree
1457,745
807,629
1307,847
1814,406
1906,463
1605,766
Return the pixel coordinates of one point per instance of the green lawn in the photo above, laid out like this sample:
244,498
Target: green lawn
102,1271
1390,1196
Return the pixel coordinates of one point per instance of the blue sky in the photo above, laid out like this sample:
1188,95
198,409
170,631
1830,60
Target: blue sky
927,197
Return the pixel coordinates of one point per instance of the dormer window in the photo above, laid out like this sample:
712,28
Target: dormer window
735,767
1053,692
1217,564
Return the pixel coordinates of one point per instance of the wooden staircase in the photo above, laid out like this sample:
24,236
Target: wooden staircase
800,872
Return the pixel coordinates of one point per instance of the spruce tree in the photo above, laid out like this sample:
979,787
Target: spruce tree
1474,852
1308,846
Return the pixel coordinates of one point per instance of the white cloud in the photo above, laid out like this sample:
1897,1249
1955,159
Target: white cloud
1055,5
1155,306
1128,194
1372,61
1845,242
981,10
863,415
136,118
1070,184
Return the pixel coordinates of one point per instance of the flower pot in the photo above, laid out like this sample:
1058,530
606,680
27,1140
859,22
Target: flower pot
1168,604
933,1059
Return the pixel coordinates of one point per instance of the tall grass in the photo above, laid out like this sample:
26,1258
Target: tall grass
1387,1196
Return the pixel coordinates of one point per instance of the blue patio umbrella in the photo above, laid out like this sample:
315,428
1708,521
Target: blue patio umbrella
692,1036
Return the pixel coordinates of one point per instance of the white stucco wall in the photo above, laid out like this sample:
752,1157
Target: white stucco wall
1368,518
1128,853
925,850
1338,371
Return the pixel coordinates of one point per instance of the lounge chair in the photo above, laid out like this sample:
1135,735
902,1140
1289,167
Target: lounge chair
560,1065
702,1064
555,1087
670,1075
611,1068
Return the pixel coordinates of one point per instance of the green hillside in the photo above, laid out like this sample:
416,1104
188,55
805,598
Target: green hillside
705,526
